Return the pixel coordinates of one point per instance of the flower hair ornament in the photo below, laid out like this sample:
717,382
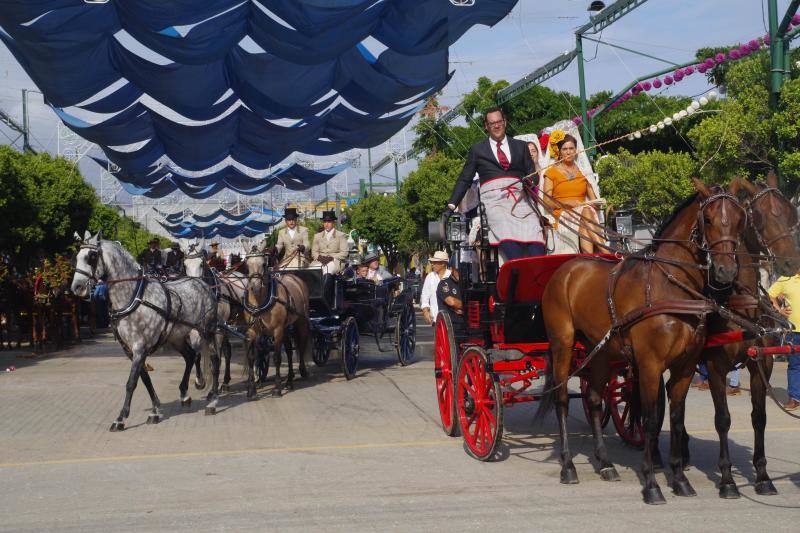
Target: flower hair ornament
556,137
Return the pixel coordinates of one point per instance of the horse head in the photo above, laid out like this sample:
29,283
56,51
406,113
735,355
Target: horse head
89,265
195,261
774,224
721,221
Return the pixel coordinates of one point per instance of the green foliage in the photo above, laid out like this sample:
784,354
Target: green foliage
650,183
47,201
426,190
122,228
383,221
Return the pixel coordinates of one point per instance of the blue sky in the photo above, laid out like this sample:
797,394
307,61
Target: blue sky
535,32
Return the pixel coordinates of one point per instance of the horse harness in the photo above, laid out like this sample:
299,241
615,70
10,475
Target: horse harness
274,281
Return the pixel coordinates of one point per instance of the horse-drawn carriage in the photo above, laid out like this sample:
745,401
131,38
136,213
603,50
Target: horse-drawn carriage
339,314
490,358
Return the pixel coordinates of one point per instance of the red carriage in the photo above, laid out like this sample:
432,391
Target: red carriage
490,357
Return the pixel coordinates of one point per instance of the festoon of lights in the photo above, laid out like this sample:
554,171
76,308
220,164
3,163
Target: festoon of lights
734,53
690,110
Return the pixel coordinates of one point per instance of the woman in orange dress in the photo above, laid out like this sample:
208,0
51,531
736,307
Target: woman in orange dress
569,196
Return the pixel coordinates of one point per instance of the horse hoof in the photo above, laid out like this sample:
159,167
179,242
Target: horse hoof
683,488
251,394
154,418
277,393
186,402
729,491
210,411
199,384
609,473
766,488
225,388
117,426
653,496
569,476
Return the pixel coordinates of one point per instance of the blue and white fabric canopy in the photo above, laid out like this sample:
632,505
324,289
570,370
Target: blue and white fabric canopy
219,214
206,95
246,228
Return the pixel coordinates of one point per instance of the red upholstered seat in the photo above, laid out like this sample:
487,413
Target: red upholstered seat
533,273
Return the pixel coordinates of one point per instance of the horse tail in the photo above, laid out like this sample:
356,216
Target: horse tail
547,400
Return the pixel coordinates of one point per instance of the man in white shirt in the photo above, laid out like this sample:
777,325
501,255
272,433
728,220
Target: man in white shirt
329,248
428,302
293,245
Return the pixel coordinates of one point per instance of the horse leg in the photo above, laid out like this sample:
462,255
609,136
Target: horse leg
155,415
252,341
649,385
758,417
680,382
561,350
289,357
137,364
226,347
213,394
189,357
199,379
303,336
598,381
722,422
276,357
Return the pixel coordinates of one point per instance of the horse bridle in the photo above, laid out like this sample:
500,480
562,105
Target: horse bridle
266,306
93,258
790,233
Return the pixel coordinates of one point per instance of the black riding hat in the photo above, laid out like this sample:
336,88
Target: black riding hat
290,213
328,216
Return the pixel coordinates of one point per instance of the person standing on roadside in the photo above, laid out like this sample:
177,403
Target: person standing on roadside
785,295
439,271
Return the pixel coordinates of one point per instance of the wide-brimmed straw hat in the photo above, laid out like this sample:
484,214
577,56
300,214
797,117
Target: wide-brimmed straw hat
440,256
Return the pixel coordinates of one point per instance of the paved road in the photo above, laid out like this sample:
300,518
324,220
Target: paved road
364,455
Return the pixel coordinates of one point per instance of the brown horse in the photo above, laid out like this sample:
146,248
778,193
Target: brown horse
273,302
771,233
656,317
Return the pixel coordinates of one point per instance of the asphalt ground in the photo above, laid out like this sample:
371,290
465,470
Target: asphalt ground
338,455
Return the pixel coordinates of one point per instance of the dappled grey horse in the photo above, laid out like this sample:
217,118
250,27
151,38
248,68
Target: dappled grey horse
229,289
146,315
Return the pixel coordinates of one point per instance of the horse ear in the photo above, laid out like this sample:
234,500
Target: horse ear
86,235
99,236
772,179
735,186
701,187
749,187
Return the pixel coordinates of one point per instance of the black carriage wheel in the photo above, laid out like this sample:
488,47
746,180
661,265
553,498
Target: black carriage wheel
619,397
605,414
320,351
348,347
405,335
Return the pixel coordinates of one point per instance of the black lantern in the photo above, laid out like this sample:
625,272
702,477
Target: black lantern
596,6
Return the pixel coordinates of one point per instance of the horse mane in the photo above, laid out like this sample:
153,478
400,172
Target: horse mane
672,216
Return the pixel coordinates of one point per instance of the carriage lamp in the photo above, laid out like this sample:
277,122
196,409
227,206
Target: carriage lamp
624,224
456,229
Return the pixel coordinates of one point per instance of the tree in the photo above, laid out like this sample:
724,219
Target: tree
382,221
650,183
426,190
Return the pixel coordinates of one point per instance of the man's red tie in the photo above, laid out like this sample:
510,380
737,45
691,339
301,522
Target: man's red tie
501,157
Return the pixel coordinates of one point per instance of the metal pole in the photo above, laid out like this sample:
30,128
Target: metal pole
776,55
369,166
396,182
26,145
588,141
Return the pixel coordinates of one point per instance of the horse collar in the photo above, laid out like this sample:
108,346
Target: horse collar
136,300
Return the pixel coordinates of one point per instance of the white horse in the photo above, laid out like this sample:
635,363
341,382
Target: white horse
147,314
229,289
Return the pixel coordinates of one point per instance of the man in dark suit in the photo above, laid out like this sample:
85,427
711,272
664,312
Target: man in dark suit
502,164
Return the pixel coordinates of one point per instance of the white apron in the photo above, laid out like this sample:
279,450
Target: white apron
509,213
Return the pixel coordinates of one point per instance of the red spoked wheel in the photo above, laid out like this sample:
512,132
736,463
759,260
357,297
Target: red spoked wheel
479,405
605,411
445,362
620,395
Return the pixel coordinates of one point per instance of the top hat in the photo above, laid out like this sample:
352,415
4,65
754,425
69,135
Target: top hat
328,216
290,213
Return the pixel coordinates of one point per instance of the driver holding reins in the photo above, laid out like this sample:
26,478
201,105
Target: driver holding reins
501,164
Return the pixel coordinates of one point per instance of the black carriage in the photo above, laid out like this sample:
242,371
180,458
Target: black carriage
342,309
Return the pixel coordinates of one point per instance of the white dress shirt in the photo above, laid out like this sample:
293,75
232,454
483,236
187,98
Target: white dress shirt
503,146
291,232
428,296
329,234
